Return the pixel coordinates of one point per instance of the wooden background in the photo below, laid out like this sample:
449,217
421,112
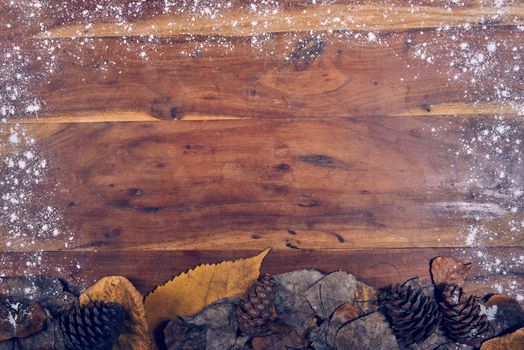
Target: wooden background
319,146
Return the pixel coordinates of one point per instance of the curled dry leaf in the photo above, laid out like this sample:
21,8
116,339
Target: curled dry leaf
20,318
54,295
49,338
512,341
342,315
449,270
504,312
190,292
118,289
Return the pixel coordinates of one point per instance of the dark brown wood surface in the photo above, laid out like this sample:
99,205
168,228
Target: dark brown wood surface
351,183
106,77
335,151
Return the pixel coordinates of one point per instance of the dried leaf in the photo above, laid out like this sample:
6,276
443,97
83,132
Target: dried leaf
330,292
369,332
449,270
118,289
180,334
342,315
282,338
190,292
50,338
438,341
52,294
512,341
504,312
220,320
20,318
318,336
290,302
365,298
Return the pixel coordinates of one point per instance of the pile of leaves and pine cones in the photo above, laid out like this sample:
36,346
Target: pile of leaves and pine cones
229,306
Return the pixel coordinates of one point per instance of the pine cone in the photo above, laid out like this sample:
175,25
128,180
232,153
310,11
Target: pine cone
94,326
412,314
461,316
181,335
256,309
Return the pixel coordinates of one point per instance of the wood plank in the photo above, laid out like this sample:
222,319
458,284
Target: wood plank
378,267
352,183
59,18
380,17
299,76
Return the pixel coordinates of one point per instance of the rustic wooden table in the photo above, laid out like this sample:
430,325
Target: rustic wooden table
368,136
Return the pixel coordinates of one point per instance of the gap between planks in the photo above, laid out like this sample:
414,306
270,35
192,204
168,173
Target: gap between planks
116,117
448,109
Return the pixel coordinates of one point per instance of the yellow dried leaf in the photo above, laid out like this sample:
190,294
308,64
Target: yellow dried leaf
190,292
364,296
118,289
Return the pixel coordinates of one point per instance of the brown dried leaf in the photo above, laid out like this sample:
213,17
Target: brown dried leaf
47,291
118,289
368,332
333,290
505,313
449,270
512,341
190,292
50,338
180,334
342,315
283,338
20,318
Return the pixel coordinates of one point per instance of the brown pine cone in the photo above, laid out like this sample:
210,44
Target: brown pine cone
413,316
255,311
94,326
461,316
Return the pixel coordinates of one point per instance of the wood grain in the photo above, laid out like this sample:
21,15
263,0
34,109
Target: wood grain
59,18
347,183
240,22
328,77
378,267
